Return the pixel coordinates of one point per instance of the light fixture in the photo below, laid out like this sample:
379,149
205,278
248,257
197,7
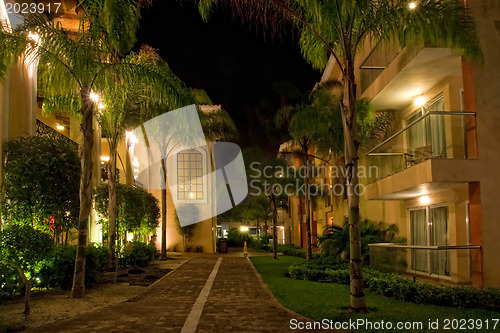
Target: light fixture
244,228
94,97
412,5
419,101
424,200
105,158
60,127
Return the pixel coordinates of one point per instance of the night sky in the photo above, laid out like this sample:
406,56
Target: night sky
249,75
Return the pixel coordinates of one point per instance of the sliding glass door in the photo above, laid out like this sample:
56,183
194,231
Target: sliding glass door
430,227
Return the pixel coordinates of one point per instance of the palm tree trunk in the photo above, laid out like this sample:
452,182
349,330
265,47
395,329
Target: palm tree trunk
164,212
348,105
78,288
112,206
275,226
308,202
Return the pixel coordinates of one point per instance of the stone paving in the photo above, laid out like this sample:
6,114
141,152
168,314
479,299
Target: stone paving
237,302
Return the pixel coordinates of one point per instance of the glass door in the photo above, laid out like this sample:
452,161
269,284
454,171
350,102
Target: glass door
429,227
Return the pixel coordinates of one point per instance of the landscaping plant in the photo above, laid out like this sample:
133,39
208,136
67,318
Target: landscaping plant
25,247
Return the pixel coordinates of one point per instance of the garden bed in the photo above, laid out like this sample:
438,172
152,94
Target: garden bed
50,306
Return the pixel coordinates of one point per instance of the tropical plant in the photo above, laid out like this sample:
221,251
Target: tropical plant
122,107
24,247
40,185
339,29
335,239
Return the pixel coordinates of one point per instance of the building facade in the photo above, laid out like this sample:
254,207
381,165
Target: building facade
436,177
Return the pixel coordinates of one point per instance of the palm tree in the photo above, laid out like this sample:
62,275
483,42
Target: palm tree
339,29
306,125
124,106
73,69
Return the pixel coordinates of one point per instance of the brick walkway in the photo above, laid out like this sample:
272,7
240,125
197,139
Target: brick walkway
236,302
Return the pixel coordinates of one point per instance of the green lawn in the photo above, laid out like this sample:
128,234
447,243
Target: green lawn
320,301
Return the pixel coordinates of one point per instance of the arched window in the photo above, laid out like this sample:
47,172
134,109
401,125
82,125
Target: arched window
189,175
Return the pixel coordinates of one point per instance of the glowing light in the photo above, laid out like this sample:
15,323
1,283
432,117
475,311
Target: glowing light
244,228
100,106
191,195
131,138
419,101
412,5
60,127
105,158
424,200
94,97
34,37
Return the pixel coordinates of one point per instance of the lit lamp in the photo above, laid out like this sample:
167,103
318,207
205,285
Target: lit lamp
412,5
419,101
244,228
424,200
60,127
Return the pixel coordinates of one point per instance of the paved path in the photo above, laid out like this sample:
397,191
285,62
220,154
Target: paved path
233,300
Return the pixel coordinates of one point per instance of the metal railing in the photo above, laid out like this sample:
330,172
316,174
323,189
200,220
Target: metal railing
441,262
436,134
46,131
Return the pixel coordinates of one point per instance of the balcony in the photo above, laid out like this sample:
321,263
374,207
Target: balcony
44,130
428,152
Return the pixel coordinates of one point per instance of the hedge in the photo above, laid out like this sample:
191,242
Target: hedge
399,287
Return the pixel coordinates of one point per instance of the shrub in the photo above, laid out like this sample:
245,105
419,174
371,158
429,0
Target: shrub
335,239
58,271
237,238
398,287
25,248
136,254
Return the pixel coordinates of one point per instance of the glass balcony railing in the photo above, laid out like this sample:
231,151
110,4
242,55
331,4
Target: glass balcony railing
440,262
436,134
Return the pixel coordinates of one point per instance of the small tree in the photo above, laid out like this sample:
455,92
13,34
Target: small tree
267,175
137,211
25,248
40,184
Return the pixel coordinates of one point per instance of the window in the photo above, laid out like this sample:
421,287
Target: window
429,227
189,175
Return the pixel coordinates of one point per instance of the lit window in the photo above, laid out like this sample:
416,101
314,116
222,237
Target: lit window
189,175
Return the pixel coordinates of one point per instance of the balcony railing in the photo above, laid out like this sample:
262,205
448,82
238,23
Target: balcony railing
45,130
441,262
436,134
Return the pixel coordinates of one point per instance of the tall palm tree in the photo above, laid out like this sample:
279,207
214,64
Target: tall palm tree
73,68
123,107
307,125
339,29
